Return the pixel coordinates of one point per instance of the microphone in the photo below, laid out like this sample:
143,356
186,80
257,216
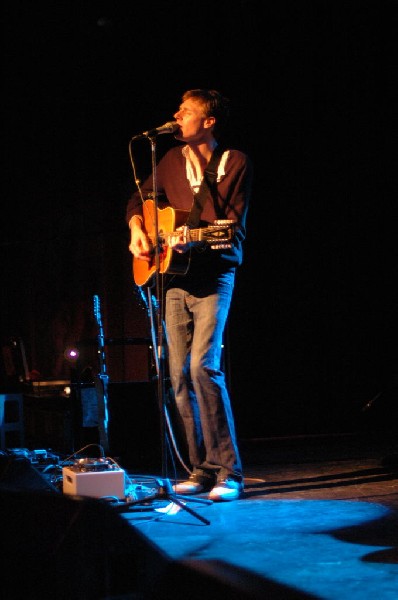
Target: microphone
169,127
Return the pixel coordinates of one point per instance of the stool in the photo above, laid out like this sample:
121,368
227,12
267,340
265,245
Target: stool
11,421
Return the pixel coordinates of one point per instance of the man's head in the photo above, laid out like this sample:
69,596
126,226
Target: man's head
207,108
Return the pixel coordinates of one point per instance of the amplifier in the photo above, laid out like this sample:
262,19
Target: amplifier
50,387
93,483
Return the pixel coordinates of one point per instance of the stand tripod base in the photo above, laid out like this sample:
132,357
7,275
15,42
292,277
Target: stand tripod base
166,492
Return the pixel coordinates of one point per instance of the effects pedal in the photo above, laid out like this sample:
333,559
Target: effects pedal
95,478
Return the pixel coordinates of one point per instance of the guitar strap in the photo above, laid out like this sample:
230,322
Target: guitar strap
206,187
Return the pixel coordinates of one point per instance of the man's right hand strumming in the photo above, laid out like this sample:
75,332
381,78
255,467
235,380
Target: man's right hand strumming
140,245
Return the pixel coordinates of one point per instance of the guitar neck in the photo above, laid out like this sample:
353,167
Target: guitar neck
101,381
221,232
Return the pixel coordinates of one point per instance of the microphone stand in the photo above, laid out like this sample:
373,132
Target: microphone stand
165,490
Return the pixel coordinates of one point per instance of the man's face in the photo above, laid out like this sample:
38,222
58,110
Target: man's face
194,125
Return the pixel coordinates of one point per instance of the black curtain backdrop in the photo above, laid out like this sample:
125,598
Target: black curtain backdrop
313,328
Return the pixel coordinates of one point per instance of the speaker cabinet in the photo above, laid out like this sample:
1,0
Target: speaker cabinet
17,473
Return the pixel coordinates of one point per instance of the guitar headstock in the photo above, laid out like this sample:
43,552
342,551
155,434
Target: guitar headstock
97,309
219,235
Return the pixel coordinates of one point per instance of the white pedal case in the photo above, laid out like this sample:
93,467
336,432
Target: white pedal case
94,484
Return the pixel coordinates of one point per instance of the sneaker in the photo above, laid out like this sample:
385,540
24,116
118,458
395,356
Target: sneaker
226,489
194,485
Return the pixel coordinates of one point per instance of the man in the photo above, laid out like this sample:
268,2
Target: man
198,298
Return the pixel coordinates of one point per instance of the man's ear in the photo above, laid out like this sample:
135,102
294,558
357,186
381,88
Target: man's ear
209,122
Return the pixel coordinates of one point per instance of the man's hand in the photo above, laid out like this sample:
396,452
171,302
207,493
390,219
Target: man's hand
180,242
140,245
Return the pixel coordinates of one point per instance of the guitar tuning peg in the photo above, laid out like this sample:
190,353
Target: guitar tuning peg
220,246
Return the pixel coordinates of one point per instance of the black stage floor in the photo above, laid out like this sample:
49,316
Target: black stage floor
318,519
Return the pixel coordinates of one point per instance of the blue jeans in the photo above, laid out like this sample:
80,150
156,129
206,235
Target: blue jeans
195,325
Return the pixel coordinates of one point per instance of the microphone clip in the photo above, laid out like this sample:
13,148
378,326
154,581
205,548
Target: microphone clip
169,127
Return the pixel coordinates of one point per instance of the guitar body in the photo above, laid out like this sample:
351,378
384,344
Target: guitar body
169,219
217,236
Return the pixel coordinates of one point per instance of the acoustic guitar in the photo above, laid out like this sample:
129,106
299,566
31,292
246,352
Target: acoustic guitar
218,235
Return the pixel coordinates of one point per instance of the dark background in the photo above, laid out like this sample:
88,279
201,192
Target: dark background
313,328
